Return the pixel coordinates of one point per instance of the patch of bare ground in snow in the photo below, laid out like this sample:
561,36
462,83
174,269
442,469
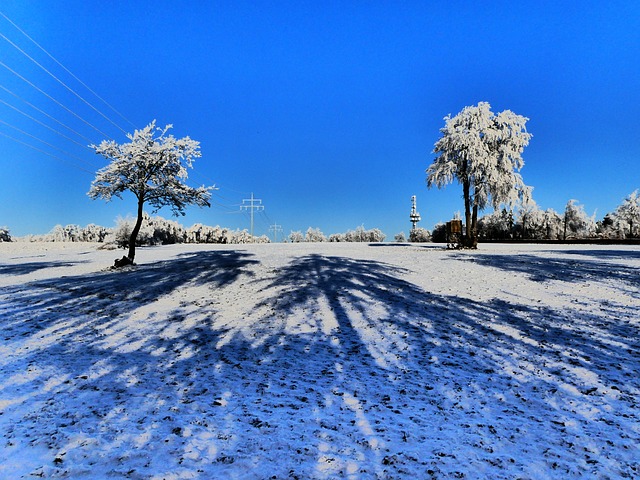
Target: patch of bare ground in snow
320,361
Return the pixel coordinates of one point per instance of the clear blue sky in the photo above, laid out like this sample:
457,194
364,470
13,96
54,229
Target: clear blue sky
327,111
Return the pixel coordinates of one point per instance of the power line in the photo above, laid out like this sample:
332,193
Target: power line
46,153
63,84
44,113
67,70
43,124
53,99
45,142
248,206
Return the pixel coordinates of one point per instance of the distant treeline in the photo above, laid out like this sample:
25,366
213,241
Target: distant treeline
157,230
154,231
357,235
531,224
526,224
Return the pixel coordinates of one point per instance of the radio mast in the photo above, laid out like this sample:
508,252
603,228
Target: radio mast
414,216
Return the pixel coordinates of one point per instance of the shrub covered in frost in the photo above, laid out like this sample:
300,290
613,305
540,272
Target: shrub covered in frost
498,225
627,216
296,236
314,235
359,235
419,235
4,234
162,231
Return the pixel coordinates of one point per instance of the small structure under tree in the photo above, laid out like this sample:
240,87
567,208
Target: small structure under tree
152,166
454,234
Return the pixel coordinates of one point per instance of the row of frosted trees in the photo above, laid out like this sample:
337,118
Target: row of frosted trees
533,223
153,231
157,230
357,235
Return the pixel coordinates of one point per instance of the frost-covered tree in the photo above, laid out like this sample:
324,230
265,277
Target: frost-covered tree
419,235
93,233
629,212
528,217
296,236
533,223
609,227
4,234
483,152
375,235
576,223
497,225
153,166
68,233
553,224
400,238
314,235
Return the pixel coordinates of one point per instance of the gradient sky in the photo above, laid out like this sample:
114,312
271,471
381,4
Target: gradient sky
327,111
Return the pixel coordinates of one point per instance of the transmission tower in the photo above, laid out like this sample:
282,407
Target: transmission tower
414,216
275,228
253,205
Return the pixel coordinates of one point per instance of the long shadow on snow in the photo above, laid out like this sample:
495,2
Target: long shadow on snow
109,293
331,331
410,357
541,269
384,318
599,254
30,267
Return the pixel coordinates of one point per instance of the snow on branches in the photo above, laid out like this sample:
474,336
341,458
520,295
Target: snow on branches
483,152
152,166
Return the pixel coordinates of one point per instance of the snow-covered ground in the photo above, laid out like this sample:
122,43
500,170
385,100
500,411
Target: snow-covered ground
320,361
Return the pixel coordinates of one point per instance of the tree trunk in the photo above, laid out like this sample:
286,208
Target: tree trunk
473,240
466,190
135,231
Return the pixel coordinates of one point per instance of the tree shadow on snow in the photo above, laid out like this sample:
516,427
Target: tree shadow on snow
400,357
607,254
339,358
541,269
30,267
109,293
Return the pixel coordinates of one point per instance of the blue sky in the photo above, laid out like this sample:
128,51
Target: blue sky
327,111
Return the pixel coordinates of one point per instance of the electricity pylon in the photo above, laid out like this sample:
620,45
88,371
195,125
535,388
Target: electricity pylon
254,204
275,228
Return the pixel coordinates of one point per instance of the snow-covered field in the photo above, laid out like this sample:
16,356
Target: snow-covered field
320,361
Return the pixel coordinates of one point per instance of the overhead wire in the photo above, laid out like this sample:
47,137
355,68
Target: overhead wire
39,122
53,99
33,85
46,153
45,142
64,84
68,71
